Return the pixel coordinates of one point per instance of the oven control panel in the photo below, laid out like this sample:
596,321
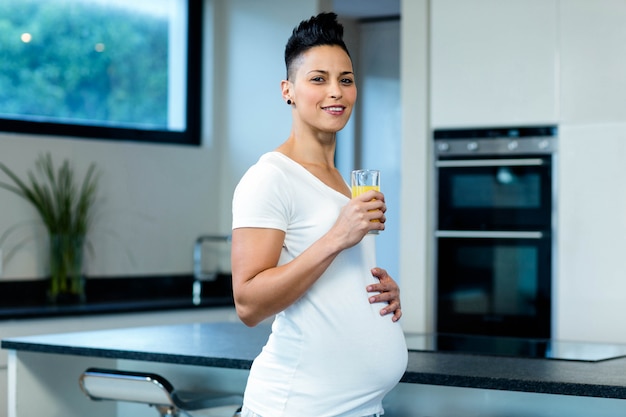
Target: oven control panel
464,142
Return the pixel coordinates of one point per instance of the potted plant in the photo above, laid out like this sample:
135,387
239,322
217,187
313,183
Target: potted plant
66,209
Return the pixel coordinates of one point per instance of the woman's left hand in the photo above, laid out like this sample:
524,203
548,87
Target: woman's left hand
388,291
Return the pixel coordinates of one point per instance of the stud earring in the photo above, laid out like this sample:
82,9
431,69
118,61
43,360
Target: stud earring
289,102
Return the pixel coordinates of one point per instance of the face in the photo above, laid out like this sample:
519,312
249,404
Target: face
322,88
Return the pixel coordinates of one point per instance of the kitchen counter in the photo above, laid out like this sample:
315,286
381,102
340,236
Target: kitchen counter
234,346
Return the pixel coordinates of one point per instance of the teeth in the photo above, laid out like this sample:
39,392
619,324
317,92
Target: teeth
334,108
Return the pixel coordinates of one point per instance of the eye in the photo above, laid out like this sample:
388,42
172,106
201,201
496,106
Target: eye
347,81
318,79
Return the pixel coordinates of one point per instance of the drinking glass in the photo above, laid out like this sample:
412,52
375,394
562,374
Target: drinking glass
364,180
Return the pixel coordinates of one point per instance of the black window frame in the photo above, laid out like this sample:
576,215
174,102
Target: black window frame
190,136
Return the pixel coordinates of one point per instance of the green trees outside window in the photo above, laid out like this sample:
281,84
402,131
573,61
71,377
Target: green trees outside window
108,63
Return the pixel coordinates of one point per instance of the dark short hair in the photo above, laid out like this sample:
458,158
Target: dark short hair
323,29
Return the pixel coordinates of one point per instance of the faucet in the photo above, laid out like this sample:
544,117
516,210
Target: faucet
199,273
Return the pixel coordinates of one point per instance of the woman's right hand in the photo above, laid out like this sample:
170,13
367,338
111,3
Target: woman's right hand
355,219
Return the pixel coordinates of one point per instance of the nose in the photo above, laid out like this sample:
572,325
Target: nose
335,91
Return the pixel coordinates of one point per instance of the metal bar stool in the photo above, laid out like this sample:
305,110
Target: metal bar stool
151,389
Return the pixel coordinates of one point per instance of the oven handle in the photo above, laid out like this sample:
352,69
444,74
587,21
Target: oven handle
488,234
490,162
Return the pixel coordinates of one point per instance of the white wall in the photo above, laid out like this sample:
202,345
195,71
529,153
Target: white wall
148,215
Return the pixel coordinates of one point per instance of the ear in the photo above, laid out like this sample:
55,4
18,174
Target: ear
286,88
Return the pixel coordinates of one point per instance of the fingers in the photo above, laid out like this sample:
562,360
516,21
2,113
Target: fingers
356,220
388,291
371,195
392,298
373,200
380,273
363,214
386,294
392,308
397,315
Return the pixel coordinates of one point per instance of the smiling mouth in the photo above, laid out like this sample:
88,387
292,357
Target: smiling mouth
334,109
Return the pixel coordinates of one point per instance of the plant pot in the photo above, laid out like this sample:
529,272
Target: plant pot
67,282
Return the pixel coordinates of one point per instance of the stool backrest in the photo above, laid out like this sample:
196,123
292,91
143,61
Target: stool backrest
107,384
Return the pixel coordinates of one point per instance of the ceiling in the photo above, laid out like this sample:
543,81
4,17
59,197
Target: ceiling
363,9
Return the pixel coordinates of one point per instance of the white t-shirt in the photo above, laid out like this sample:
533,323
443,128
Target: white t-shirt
330,354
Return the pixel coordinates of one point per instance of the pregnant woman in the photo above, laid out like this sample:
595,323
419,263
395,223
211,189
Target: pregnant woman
302,254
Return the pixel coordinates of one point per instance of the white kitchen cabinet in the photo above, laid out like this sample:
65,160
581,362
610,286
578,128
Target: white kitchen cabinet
27,327
590,289
593,61
493,62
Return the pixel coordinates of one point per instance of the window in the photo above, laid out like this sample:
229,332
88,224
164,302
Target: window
111,69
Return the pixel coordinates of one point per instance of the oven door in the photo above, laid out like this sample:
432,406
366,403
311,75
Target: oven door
494,283
495,194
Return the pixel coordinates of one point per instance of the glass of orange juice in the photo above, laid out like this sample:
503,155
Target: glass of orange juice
364,180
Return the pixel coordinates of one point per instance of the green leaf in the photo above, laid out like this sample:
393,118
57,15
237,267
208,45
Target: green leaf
63,205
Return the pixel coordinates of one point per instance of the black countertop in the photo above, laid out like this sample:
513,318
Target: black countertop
112,307
27,299
233,345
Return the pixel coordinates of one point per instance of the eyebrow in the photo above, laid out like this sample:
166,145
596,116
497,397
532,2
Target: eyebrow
326,72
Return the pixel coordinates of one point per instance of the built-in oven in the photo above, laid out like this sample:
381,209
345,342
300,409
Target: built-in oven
495,230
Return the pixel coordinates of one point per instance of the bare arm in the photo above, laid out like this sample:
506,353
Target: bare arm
261,288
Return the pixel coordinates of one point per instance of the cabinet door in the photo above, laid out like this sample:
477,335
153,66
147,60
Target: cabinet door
593,61
591,235
493,62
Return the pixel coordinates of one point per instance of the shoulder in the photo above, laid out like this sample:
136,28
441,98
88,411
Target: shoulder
272,169
270,177
263,197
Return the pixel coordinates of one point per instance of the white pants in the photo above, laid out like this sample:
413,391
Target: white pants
247,413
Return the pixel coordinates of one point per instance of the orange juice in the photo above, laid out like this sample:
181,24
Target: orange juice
360,189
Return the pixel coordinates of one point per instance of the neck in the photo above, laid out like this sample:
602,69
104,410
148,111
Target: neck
310,152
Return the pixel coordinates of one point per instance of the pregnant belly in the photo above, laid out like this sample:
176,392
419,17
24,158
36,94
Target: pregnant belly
369,356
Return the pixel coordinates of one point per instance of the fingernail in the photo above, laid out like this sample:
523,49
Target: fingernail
372,299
